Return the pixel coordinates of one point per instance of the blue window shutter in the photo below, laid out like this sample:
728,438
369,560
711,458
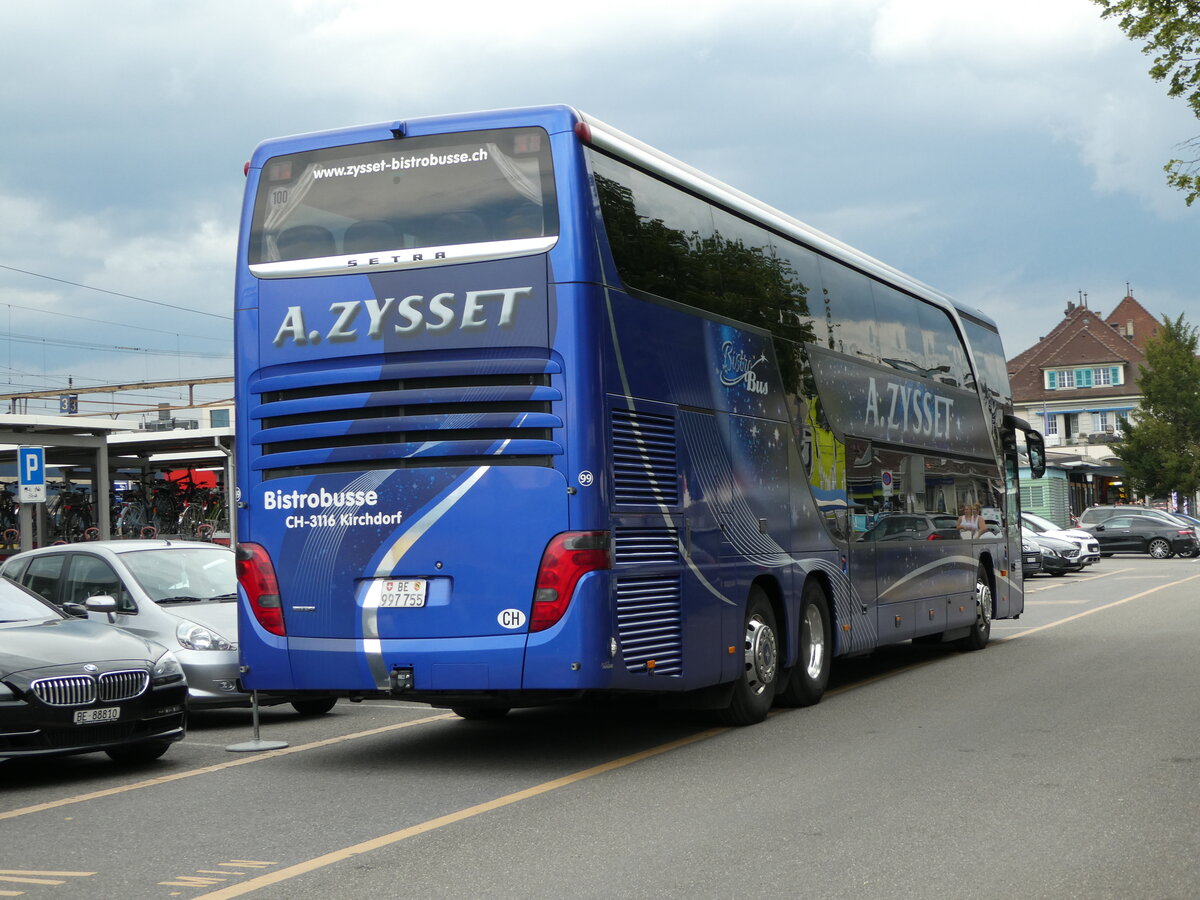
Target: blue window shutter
1083,378
1116,375
1051,378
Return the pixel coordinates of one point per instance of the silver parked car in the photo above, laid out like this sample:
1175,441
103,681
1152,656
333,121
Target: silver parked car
1089,547
182,594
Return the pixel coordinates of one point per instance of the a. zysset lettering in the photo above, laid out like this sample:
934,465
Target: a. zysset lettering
909,409
444,312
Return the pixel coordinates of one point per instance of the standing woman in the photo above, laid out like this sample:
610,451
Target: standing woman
970,523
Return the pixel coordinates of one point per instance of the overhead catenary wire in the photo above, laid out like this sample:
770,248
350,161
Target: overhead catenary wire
53,312
198,312
85,345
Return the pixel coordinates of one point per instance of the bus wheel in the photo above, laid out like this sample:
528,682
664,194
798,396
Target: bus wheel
479,713
754,691
981,631
317,707
806,684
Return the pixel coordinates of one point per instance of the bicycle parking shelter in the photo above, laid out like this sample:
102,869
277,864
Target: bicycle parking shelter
98,452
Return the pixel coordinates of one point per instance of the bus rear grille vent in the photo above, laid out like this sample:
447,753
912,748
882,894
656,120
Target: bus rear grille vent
464,412
647,546
644,462
649,624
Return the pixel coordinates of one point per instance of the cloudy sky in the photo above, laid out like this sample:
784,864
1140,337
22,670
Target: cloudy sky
1009,153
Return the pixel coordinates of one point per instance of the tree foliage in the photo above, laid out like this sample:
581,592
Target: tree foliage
1170,31
1161,450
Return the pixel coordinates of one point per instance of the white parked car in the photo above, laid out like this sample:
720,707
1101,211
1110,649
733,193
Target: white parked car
1089,547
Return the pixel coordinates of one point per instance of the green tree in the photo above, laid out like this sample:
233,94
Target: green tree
1170,31
1161,451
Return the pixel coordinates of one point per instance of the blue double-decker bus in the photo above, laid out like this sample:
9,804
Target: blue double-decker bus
528,410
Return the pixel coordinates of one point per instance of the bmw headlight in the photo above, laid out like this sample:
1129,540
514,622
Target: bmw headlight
167,670
196,637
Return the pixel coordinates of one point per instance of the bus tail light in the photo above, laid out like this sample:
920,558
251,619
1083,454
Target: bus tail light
568,557
256,575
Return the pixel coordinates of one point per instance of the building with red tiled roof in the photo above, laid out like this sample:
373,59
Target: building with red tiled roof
1077,382
1131,321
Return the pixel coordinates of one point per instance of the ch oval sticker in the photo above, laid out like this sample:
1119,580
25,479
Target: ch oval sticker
511,618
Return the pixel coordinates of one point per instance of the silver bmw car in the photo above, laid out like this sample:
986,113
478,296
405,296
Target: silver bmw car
182,594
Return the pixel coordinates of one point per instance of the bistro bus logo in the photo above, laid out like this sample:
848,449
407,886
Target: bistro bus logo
738,368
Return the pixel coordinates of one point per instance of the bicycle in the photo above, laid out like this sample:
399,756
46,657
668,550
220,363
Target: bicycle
164,507
8,506
70,515
132,521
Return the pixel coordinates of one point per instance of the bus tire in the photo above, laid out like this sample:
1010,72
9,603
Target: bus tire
806,683
754,691
981,630
315,707
480,713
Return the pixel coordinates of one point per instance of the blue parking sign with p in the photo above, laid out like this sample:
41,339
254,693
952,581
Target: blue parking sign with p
31,474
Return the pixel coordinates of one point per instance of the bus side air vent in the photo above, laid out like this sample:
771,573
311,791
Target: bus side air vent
646,546
645,471
649,624
406,412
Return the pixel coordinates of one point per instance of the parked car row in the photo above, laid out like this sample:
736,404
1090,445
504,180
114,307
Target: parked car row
1142,529
81,624
1103,531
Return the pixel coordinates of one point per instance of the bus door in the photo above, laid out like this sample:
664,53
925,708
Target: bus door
895,549
861,553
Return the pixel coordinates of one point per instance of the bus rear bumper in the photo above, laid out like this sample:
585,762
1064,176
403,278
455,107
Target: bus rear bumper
417,665
437,664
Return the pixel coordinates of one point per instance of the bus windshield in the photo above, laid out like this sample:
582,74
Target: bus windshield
391,197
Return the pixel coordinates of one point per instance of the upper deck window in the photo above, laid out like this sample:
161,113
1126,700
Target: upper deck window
416,201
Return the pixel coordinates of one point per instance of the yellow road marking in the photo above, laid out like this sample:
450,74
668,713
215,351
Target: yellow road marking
191,881
47,874
471,812
1078,577
245,760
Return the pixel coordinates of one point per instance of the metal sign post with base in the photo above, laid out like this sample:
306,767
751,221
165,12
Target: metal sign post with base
257,743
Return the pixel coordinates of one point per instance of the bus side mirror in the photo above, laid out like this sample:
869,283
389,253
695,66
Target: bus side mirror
1036,447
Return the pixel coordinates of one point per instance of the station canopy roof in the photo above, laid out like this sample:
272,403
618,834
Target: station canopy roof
72,441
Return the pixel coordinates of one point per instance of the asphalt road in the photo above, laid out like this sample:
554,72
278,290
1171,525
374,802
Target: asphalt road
1062,761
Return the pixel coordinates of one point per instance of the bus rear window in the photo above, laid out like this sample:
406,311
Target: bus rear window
487,193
